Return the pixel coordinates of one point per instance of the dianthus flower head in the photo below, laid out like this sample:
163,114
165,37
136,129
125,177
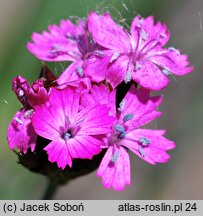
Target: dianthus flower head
73,131
140,55
68,42
78,115
136,110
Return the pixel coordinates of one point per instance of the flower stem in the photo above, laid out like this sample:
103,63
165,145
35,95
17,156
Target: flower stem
50,191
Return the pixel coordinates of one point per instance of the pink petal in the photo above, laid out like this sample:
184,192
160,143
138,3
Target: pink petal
143,107
45,50
150,46
155,151
100,94
115,174
37,94
66,29
84,147
84,85
21,133
135,32
157,155
155,136
105,161
95,68
149,31
59,44
150,76
51,118
58,151
87,99
107,33
95,120
70,77
117,70
174,62
47,121
104,96
65,102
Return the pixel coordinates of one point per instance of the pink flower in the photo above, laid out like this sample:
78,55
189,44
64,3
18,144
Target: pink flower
139,56
136,110
73,132
21,133
36,94
68,42
29,96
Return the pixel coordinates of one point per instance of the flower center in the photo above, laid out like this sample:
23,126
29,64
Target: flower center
121,131
67,135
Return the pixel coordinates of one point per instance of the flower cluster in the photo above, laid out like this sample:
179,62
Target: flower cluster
102,100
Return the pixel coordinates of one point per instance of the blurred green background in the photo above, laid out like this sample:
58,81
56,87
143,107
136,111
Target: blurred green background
182,177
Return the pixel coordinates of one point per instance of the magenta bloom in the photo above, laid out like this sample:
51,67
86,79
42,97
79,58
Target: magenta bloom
29,96
136,110
67,42
71,130
77,115
139,56
21,133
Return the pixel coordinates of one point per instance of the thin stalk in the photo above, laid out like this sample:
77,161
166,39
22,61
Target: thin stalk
50,191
